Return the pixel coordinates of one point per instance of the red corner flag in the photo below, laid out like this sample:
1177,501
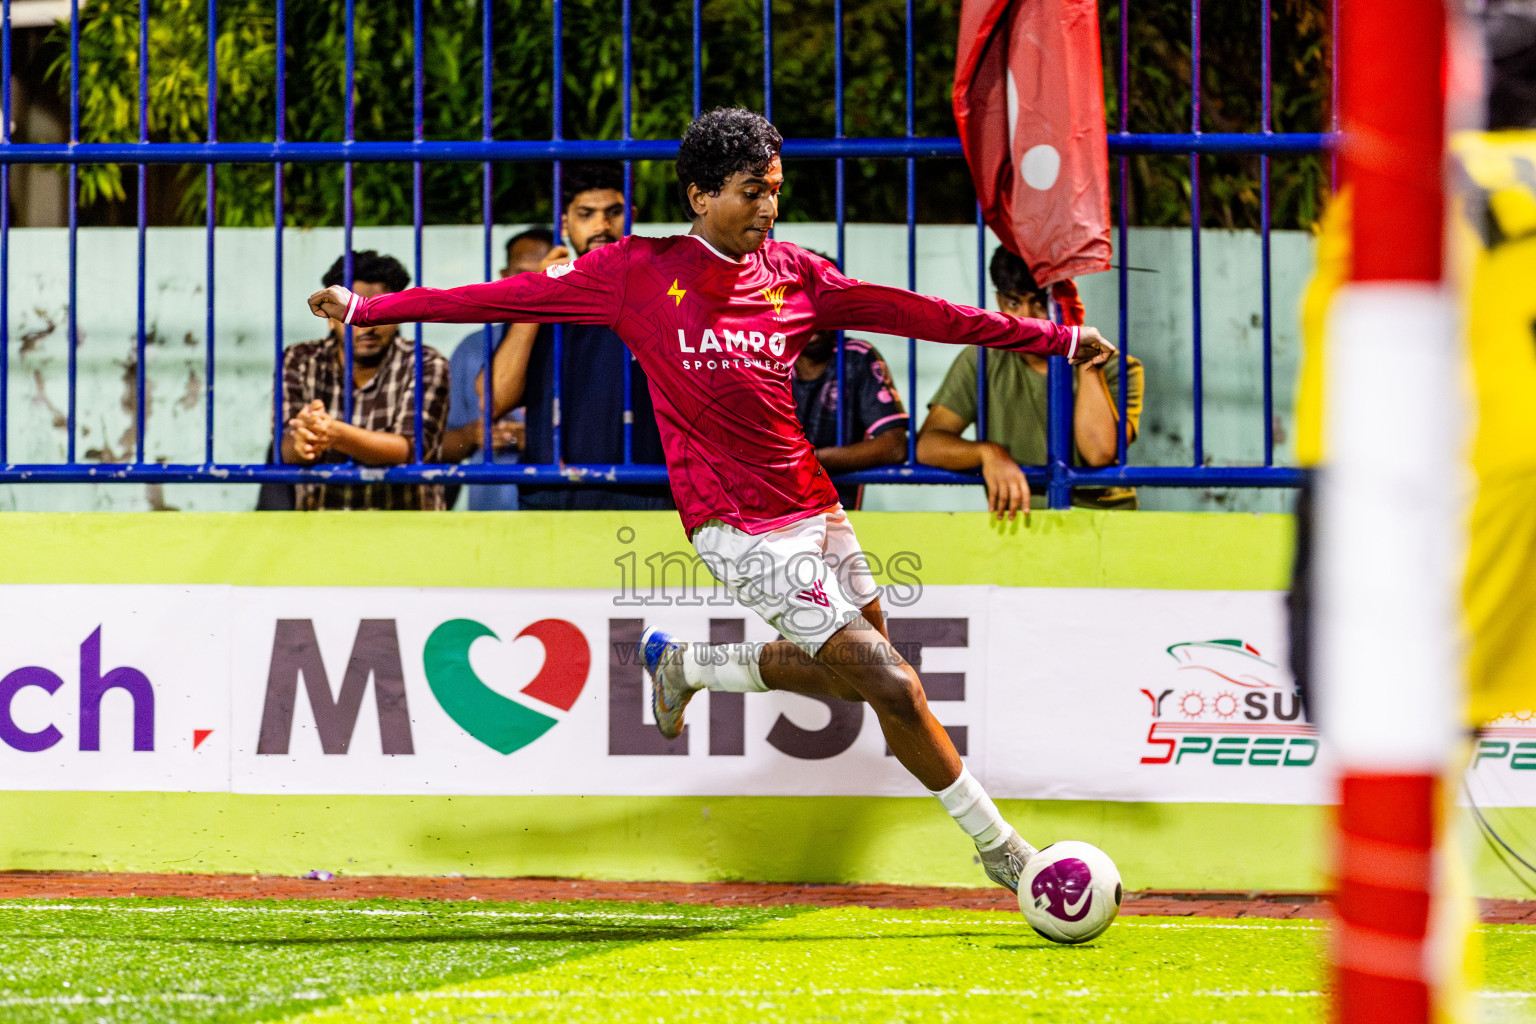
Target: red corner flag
1029,101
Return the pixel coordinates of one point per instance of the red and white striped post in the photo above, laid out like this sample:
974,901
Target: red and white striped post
1389,535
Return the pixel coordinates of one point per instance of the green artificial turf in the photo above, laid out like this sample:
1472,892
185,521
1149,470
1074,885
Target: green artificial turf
391,960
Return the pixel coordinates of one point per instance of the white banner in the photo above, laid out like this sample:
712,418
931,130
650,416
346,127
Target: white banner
1136,695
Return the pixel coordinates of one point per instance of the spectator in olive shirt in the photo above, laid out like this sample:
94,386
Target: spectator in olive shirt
1016,410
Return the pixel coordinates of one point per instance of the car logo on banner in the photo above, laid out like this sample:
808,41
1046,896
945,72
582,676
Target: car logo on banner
502,723
1232,707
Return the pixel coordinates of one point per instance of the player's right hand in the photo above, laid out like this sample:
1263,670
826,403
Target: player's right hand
1092,348
1007,487
330,302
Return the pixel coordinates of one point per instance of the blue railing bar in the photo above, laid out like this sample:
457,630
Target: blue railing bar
557,101
1058,434
141,220
74,70
418,132
208,323
837,73
614,473
844,407
628,129
911,286
1122,253
1109,476
348,211
1265,314
1209,143
980,303
911,73
627,72
1264,253
1266,87
418,74
1125,68
487,196
1176,476
469,151
213,216
74,327
74,218
1196,332
698,58
1122,248
1194,68
1333,104
557,130
277,236
5,233
768,59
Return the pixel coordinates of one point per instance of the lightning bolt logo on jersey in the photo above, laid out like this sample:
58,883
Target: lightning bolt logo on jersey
775,297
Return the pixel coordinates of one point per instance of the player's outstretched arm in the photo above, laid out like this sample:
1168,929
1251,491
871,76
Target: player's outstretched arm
848,305
589,291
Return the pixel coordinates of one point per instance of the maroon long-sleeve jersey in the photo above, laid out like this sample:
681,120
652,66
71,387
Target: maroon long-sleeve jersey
718,339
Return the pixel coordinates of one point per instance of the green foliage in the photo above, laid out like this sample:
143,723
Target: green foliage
1231,72
803,99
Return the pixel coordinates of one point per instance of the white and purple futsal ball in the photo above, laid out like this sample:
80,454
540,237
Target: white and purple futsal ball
1070,892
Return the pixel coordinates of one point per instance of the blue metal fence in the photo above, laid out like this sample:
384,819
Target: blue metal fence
1059,476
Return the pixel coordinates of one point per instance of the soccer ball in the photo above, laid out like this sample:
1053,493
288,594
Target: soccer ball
1070,892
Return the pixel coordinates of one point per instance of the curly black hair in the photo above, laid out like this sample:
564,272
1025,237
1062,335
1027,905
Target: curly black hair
584,177
1011,274
721,143
372,267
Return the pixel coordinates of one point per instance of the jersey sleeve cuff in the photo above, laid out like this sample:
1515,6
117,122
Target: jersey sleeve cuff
1072,348
352,305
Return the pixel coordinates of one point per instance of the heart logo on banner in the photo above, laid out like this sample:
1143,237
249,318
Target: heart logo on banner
501,723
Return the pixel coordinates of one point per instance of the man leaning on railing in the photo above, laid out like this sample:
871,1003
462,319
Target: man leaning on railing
1016,409
382,430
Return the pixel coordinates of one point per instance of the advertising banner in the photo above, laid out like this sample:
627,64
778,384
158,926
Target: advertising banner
1133,695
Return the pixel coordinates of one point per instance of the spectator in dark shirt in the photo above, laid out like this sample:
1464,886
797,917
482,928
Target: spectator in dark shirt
876,428
591,408
382,430
525,253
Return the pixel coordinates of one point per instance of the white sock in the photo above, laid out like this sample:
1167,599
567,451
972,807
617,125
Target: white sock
974,811
729,668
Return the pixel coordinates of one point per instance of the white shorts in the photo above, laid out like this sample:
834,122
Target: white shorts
807,580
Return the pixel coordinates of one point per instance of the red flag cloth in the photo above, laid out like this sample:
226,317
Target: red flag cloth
1068,302
1029,103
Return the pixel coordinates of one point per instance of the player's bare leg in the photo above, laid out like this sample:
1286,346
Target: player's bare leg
858,662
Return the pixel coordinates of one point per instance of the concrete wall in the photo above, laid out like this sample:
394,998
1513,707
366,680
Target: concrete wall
245,332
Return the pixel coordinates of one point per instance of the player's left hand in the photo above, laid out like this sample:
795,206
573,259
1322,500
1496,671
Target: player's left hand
330,302
556,256
1092,348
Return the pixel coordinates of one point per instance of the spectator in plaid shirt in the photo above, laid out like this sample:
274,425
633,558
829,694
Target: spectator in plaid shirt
383,427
